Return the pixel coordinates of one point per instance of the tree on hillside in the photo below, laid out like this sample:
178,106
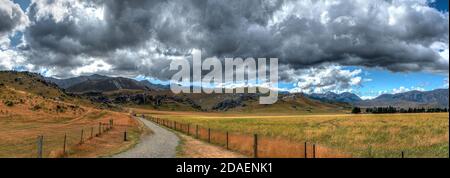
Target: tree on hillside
390,109
356,110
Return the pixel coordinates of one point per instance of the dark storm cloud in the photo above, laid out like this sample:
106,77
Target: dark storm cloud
6,22
125,24
395,35
11,16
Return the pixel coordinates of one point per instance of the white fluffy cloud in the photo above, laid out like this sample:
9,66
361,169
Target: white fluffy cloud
9,59
403,89
400,89
12,19
325,79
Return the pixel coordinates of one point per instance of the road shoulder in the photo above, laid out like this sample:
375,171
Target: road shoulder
192,148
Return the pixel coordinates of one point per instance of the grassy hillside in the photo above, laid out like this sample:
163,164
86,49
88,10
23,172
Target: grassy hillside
246,104
292,105
30,107
30,82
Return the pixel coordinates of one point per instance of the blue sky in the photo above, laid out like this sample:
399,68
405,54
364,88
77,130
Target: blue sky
376,81
16,39
441,5
383,81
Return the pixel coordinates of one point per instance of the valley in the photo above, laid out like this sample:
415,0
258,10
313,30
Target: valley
32,105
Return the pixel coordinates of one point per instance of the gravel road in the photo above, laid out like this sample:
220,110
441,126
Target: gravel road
161,144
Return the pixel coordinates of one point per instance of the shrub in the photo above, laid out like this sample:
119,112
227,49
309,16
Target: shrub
36,107
60,108
9,103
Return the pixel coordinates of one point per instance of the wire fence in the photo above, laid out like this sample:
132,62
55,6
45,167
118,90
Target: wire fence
59,143
252,145
262,146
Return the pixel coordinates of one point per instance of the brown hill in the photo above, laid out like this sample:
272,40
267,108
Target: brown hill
106,85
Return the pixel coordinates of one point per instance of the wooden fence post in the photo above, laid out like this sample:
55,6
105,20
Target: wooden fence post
227,140
255,146
314,150
125,136
209,135
403,154
81,138
188,128
40,140
99,128
306,155
196,131
64,146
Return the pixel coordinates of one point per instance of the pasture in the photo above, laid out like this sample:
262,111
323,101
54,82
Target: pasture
379,136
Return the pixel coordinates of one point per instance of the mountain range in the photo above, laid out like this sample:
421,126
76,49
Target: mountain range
345,97
413,99
100,84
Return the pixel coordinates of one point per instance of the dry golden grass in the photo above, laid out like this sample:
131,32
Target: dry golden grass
193,148
267,147
384,135
32,115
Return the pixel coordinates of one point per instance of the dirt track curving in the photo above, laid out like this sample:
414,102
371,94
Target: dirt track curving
161,144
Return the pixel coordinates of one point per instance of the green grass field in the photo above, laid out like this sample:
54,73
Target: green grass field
387,135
